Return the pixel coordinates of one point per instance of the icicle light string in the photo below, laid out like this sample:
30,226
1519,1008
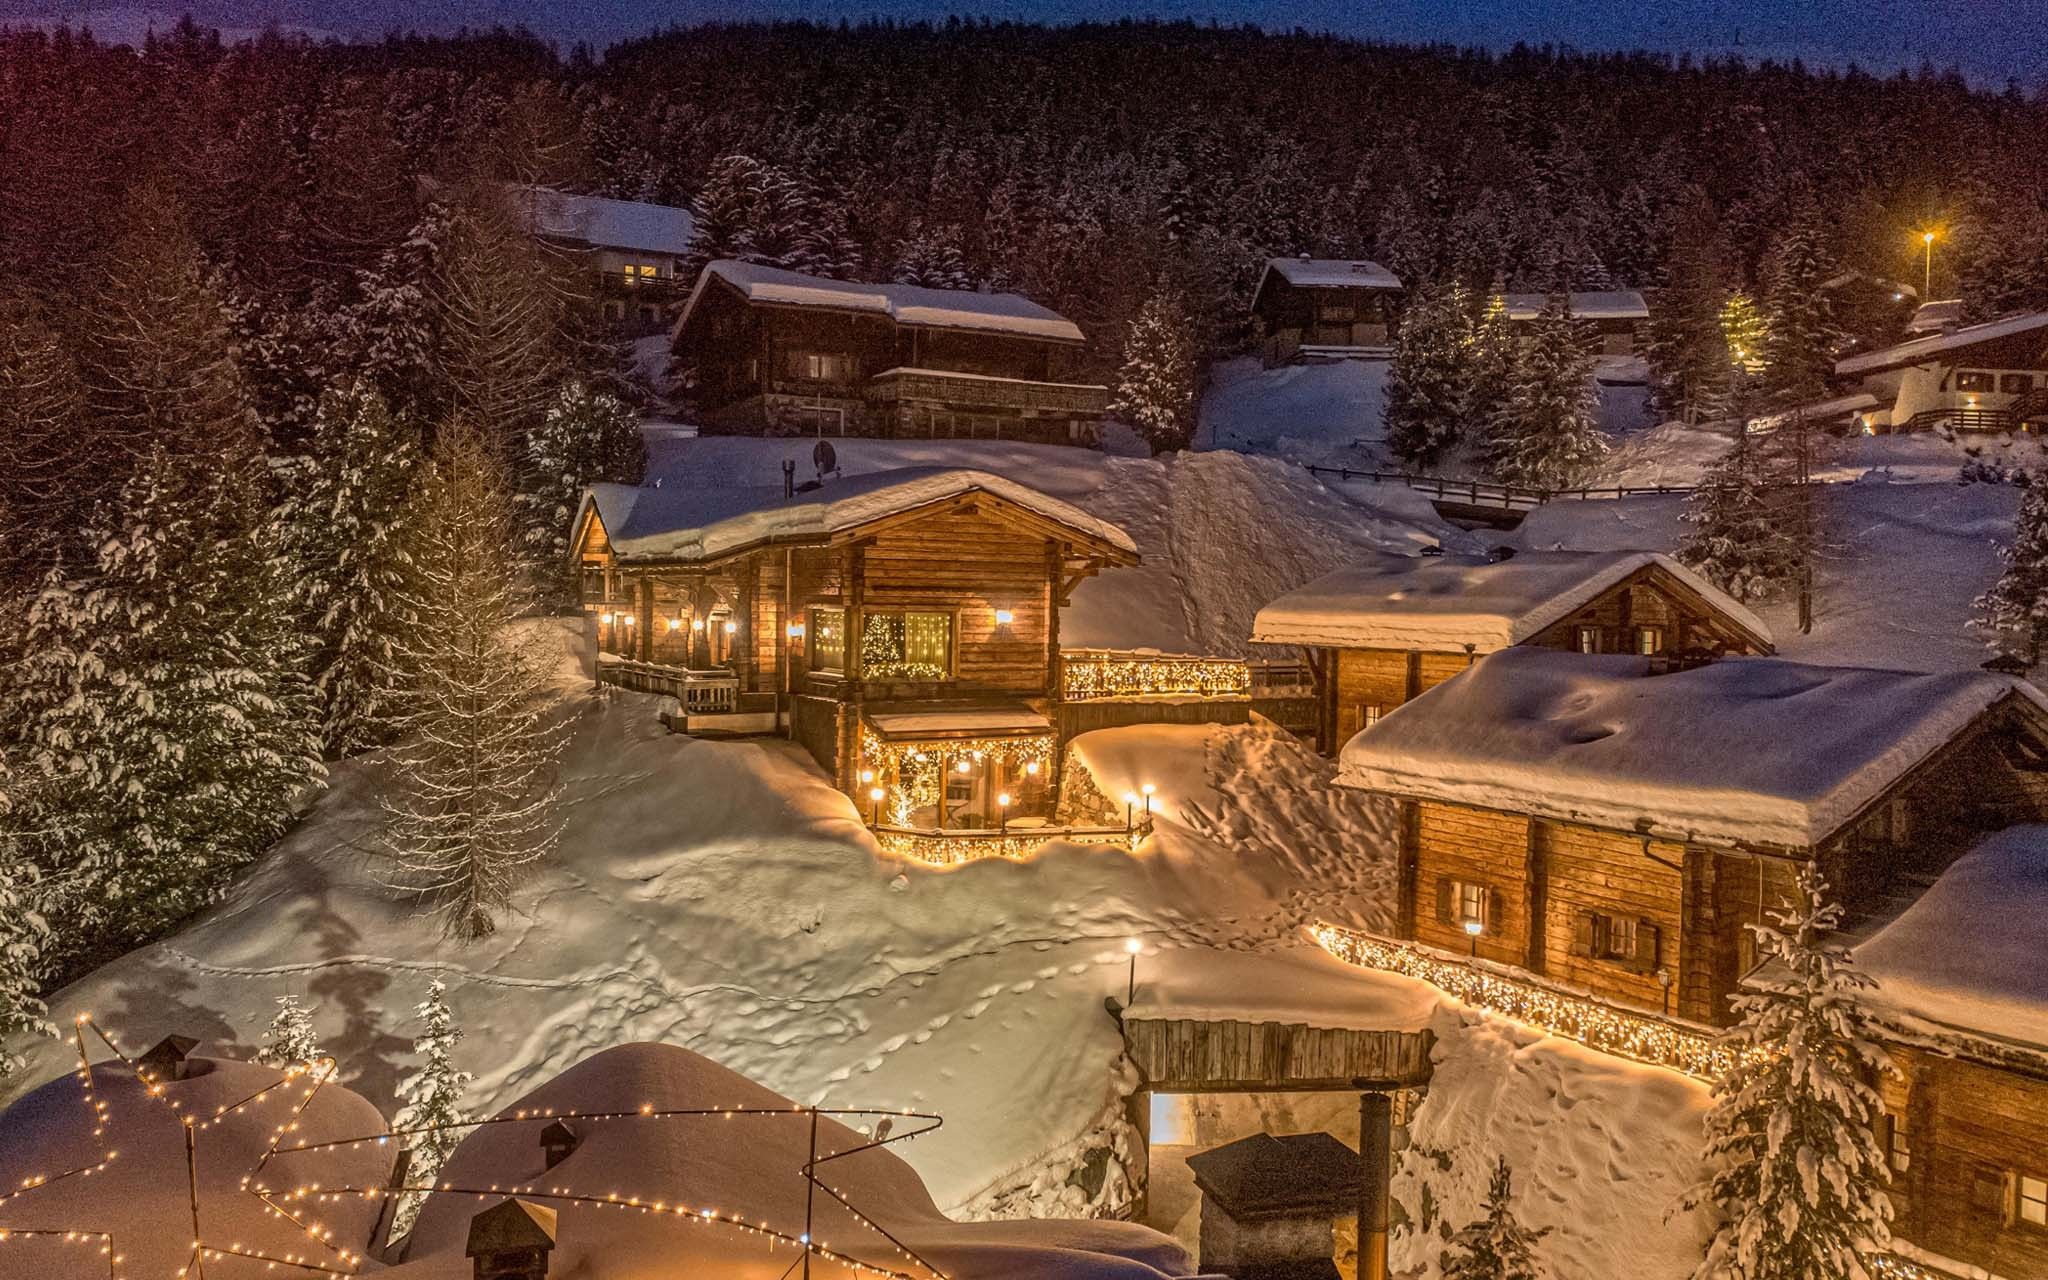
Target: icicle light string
1092,675
103,1239
943,848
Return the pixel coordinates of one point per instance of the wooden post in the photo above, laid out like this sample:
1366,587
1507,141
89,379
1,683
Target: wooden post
192,1190
1536,874
1407,868
1055,667
810,1192
644,623
744,663
1376,1170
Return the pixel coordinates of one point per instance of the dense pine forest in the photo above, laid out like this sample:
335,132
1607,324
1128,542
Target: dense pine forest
246,291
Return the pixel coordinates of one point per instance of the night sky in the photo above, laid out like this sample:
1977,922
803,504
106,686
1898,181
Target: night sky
1989,40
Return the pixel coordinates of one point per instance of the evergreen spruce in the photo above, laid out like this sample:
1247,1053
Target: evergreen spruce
432,1097
1795,1171
289,1038
1155,388
1738,538
23,930
1546,432
473,800
932,257
47,471
587,437
1800,335
1685,343
341,532
1490,367
1428,391
2012,616
722,215
1496,1247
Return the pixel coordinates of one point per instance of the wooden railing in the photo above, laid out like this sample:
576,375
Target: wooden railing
1488,493
1963,420
1102,674
974,391
699,692
1282,680
949,846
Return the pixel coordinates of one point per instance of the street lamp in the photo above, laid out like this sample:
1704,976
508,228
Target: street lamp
875,813
1131,948
1003,814
1473,929
1148,789
1927,280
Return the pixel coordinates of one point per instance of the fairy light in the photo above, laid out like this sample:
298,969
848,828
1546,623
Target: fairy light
915,770
1644,1037
948,847
1093,674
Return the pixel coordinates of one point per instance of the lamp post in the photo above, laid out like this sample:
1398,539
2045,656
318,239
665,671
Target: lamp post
1473,929
1927,279
1148,789
1130,801
1003,814
1131,948
875,811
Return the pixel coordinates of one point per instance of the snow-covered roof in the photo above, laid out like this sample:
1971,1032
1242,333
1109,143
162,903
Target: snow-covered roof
1852,275
1331,273
1941,313
1818,410
1444,603
1007,313
607,223
1919,349
1743,750
1996,897
1598,304
646,522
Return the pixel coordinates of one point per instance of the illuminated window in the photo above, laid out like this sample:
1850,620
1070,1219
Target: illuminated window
906,646
1368,714
2033,1201
635,272
1463,902
828,639
1649,640
1622,940
1976,380
1614,938
1898,1146
821,366
1589,639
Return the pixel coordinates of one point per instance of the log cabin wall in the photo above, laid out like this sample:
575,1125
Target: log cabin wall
1650,599
1383,678
1974,1150
1611,912
1456,847
969,565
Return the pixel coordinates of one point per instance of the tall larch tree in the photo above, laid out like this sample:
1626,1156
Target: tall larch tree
1155,387
1796,1175
1546,433
2012,617
1428,395
472,803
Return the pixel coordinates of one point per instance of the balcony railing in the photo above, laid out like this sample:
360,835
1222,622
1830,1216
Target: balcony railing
981,391
700,692
1091,675
948,846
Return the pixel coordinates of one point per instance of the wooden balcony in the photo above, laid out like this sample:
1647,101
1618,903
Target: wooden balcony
982,391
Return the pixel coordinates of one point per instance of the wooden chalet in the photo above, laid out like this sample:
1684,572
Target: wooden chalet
902,626
1392,627
1330,308
634,248
1612,315
1982,377
1963,1006
1613,822
781,353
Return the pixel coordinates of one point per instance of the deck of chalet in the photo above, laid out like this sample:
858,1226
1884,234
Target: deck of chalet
1389,628
783,353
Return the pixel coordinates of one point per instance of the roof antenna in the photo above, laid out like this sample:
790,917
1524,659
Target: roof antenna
789,477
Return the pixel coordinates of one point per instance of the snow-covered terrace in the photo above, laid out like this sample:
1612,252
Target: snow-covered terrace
1752,751
1002,313
1448,602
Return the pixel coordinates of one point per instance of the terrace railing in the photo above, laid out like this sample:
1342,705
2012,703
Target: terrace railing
1090,675
701,692
950,846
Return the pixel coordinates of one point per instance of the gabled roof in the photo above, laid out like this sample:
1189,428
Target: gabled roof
690,525
1600,304
1853,275
511,1225
1444,603
1006,313
1934,316
1330,273
1756,751
1918,350
606,223
1265,1176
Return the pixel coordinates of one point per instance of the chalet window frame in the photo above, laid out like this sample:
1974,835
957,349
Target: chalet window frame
804,364
1634,943
2015,384
1992,1191
1897,1141
1454,895
1585,638
816,618
1649,641
2030,1201
906,612
1976,381
1369,714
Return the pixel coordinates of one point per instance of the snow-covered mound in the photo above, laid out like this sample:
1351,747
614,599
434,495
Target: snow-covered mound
744,1166
1328,412
142,1197
1995,986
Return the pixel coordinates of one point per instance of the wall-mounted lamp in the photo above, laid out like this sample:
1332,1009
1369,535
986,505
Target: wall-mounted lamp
1004,617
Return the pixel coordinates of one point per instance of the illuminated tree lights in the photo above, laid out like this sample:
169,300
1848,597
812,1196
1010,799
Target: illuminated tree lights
301,1081
952,848
911,771
1643,1037
1094,674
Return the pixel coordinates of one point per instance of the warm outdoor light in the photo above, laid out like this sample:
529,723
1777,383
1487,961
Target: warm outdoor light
1003,617
675,624
605,618
867,776
796,630
1927,277
696,624
1130,802
732,628
1031,768
1002,813
964,767
875,814
627,619
1131,948
1472,930
1148,789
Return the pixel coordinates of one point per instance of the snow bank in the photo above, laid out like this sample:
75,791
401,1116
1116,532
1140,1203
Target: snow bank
1452,602
142,1196
1322,413
1997,897
1750,750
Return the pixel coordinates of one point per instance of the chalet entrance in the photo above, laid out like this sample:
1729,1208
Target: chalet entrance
943,768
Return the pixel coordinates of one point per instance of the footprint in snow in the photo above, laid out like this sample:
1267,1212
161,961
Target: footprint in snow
988,992
939,1021
976,1009
891,1045
1019,988
1078,967
872,1064
1049,973
921,1037
840,1076
1041,946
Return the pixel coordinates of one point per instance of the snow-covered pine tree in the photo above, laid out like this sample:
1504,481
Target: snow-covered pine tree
432,1095
1497,1246
474,797
1744,330
1546,432
586,438
931,256
1155,389
2012,616
290,1037
1739,539
1800,334
1685,344
386,335
1428,384
23,930
1796,1175
722,215
1491,364
340,534
46,461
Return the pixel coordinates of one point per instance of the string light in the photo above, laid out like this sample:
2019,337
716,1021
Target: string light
1644,1037
1090,674
949,847
914,769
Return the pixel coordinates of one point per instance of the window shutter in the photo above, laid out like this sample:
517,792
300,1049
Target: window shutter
1582,935
1496,910
1443,900
1647,938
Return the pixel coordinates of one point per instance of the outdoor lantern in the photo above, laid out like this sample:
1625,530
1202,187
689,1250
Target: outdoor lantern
875,795
1003,617
732,628
964,767
1031,768
675,624
1130,802
867,775
1131,948
1473,929
696,624
1148,789
1003,813
605,618
796,630
627,619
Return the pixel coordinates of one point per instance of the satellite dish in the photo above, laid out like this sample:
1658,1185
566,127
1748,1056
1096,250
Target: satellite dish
825,456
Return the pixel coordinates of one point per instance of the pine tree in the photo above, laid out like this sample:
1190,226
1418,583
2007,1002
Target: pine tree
722,215
1496,1247
1491,363
1738,539
433,1096
474,795
1546,433
47,470
587,437
343,548
1428,384
1155,389
1800,334
2012,616
1745,331
23,930
932,257
1685,343
1795,1171
290,1037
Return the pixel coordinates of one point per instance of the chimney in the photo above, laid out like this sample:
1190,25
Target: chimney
511,1240
166,1059
557,1141
789,477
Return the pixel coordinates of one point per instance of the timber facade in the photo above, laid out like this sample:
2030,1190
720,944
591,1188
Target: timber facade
779,353
1323,307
